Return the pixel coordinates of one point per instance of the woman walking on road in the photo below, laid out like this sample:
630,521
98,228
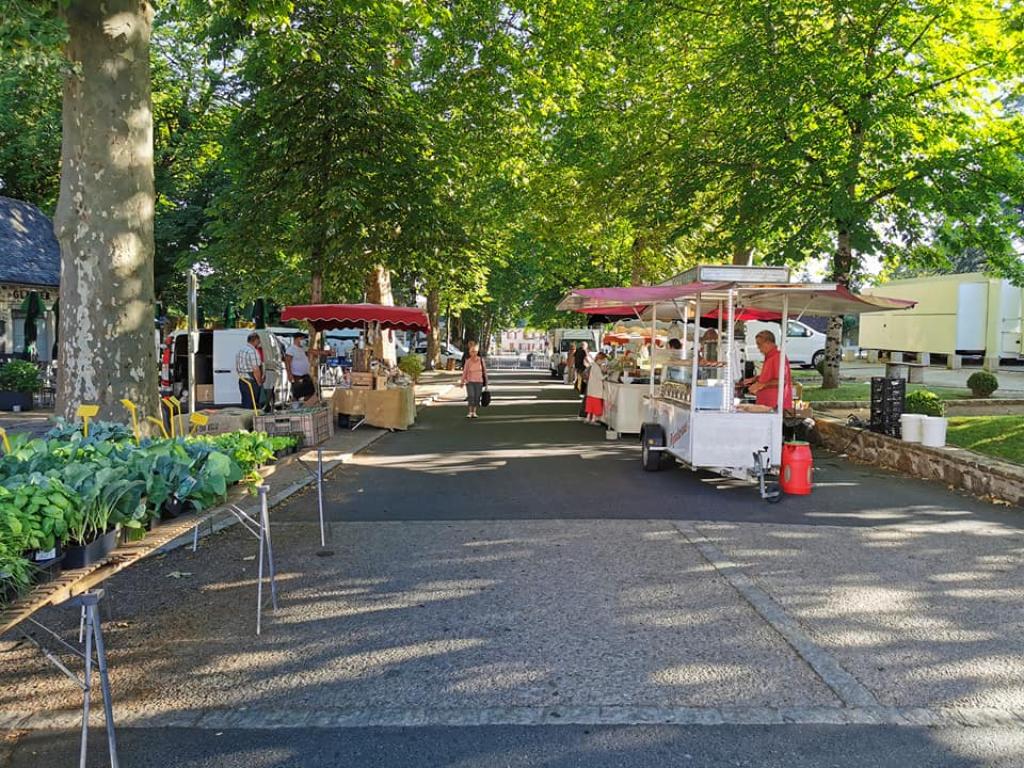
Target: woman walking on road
474,378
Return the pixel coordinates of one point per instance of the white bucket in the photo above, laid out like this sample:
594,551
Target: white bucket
933,431
911,425
611,434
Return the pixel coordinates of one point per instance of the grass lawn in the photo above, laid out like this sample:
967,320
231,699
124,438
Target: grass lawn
999,436
862,391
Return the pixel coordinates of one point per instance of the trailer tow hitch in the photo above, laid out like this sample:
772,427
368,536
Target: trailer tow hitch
770,491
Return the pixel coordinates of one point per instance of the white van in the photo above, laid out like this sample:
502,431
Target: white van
215,365
560,339
804,345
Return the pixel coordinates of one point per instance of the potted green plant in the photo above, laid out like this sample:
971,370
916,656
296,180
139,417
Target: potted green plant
93,535
34,518
15,573
19,380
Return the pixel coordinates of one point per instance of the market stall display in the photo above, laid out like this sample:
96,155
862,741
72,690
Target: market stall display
696,417
381,395
392,408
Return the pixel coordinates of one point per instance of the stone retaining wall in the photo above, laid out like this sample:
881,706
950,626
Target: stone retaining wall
966,403
956,467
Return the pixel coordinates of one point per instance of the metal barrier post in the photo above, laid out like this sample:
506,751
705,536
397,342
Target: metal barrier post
320,492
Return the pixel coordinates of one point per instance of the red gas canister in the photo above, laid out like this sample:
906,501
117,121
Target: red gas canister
797,468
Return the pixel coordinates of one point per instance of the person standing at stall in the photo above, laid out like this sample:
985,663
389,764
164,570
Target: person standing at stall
249,367
570,364
296,363
766,384
474,378
595,389
581,361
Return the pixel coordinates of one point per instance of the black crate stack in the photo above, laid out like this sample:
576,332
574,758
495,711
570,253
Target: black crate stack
887,404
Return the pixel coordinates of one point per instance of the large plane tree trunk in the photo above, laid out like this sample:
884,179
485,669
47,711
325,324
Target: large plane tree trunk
378,291
316,338
434,335
842,267
104,218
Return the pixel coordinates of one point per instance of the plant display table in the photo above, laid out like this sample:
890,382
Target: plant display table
79,588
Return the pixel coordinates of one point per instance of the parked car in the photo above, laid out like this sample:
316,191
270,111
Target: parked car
448,352
804,345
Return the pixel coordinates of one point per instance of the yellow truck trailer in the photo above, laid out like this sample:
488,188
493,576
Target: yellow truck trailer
956,316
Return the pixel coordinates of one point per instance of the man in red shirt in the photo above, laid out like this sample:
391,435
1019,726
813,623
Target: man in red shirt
766,385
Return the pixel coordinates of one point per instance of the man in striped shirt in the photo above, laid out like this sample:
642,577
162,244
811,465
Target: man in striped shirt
249,368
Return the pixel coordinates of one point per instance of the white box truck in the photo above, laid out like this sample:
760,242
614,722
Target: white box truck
971,314
560,339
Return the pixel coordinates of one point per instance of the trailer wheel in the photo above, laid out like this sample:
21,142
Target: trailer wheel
651,435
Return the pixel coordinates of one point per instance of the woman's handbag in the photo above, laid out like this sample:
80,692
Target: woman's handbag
485,395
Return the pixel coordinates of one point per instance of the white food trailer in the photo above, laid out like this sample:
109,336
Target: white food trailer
694,415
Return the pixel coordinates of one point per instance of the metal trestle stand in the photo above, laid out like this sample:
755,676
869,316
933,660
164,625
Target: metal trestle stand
93,635
259,527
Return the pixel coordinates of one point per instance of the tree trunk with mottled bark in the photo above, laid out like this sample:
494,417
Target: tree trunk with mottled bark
316,296
741,254
434,336
637,262
104,218
378,291
842,268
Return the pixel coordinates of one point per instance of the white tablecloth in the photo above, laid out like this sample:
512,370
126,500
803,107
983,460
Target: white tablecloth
624,406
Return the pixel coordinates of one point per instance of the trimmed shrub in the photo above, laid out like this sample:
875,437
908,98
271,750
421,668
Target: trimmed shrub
982,383
19,376
411,366
923,401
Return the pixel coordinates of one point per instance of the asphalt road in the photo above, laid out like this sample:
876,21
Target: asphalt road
549,747
520,568
529,458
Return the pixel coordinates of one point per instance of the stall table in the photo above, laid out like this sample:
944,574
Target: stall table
393,408
625,409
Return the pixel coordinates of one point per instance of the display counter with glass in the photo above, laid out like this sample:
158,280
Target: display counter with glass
705,426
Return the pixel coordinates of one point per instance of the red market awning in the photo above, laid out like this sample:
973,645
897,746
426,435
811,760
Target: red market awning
327,317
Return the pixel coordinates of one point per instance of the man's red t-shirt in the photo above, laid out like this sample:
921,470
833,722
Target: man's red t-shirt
770,395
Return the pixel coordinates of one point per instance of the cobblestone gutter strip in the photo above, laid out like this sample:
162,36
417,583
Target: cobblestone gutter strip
958,468
847,687
223,719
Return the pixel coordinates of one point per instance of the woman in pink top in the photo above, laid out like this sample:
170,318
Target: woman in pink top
474,378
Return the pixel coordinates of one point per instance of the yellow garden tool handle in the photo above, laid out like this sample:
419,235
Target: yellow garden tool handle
86,412
252,395
7,443
133,410
159,423
197,420
166,403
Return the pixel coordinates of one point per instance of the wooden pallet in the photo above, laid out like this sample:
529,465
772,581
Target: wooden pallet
75,582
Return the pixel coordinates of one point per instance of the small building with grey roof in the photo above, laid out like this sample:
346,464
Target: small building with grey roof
29,262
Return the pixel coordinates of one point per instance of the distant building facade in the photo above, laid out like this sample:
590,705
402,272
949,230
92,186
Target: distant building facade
29,263
522,341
